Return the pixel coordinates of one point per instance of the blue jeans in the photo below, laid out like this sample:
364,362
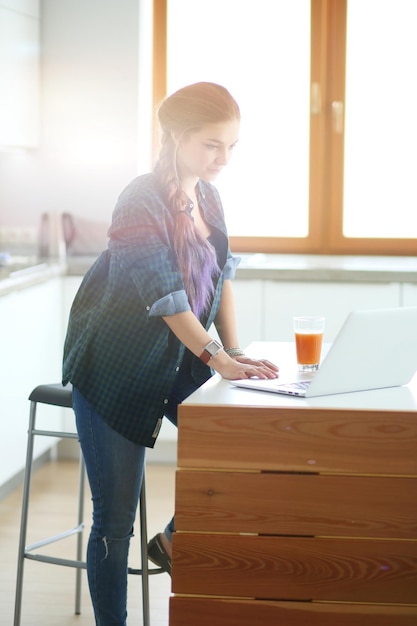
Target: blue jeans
115,469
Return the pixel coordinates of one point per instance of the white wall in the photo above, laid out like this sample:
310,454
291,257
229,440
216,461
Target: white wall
89,114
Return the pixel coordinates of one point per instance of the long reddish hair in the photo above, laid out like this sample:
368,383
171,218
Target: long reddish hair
189,109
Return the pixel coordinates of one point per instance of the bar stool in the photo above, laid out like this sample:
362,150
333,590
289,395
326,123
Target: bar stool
57,395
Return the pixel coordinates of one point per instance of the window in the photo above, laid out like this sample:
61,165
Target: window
380,161
328,141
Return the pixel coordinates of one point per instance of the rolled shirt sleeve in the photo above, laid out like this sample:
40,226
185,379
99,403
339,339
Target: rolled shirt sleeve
170,304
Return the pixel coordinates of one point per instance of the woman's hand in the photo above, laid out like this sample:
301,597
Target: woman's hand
192,334
243,367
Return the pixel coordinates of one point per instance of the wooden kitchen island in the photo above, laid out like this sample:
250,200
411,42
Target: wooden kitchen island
295,512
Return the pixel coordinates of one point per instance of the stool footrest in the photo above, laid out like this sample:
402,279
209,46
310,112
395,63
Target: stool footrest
43,558
55,433
139,572
48,540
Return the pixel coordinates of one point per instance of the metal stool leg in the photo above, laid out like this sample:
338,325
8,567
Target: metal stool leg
24,516
145,570
144,554
79,552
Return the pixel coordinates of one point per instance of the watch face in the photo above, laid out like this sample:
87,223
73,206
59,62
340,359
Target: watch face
210,351
213,348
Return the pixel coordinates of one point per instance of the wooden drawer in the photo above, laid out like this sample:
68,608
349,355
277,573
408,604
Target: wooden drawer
295,568
223,612
307,440
296,504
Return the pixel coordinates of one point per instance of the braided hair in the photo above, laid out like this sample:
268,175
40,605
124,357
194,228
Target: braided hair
189,109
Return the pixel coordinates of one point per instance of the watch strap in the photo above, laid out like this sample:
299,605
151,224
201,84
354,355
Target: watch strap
210,350
205,356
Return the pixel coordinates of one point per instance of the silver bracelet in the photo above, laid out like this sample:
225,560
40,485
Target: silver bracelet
232,352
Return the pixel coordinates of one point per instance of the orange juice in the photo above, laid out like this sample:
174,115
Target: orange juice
308,346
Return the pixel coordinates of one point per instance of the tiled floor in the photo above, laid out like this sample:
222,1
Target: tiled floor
48,592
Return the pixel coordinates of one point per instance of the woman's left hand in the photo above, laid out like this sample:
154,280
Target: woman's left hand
256,362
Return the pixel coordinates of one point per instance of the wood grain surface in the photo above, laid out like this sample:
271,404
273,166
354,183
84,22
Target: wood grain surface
296,504
227,612
295,516
307,440
295,568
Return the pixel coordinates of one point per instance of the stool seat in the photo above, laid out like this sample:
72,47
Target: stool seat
54,394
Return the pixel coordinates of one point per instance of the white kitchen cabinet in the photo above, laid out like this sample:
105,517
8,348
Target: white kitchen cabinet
70,288
409,294
31,348
68,447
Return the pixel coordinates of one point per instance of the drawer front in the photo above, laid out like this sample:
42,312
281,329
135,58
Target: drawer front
296,504
219,612
295,568
307,440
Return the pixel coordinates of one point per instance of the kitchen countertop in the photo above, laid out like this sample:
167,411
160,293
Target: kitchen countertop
284,267
26,275
315,267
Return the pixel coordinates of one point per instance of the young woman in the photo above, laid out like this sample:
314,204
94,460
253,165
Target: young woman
138,339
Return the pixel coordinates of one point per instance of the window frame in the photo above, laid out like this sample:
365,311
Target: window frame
328,72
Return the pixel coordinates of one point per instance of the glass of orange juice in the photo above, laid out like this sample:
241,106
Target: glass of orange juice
308,332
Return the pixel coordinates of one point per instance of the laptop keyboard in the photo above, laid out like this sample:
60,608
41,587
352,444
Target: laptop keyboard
302,384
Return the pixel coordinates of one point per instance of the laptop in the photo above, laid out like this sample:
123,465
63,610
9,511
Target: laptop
373,349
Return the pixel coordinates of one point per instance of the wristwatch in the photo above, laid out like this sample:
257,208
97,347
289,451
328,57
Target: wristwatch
210,350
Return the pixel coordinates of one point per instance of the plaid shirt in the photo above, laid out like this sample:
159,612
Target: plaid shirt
119,353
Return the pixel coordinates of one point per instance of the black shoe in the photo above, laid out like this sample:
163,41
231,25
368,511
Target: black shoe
158,555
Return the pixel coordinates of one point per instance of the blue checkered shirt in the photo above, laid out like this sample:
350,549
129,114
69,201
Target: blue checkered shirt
119,352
